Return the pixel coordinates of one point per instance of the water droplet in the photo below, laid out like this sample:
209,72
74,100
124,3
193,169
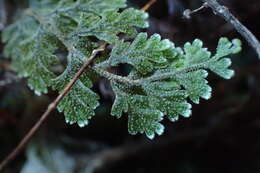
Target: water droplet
160,129
187,113
81,123
206,95
174,119
86,122
38,93
150,136
145,15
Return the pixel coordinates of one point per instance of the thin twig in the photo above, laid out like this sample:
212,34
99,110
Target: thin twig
224,12
50,108
148,5
187,13
54,104
230,18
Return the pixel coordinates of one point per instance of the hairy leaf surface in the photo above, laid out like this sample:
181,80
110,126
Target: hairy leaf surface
52,26
53,38
164,79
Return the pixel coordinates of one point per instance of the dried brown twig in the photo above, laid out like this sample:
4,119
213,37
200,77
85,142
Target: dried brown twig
54,104
224,12
230,18
50,108
148,5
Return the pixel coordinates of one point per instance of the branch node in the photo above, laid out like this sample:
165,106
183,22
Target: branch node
224,12
187,13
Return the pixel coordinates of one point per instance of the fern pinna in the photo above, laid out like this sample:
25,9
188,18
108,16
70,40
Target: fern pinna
163,78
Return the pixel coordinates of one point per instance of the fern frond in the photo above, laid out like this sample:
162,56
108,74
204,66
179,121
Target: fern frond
49,26
163,79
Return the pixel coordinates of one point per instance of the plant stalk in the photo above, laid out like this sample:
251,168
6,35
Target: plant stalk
50,108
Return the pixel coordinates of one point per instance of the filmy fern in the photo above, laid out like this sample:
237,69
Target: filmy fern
163,77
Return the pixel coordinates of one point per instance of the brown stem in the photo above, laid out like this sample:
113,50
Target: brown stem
50,108
148,5
53,105
230,18
187,13
223,12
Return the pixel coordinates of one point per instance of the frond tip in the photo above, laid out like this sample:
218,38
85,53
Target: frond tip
165,79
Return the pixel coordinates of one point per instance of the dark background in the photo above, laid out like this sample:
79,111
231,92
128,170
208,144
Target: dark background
223,134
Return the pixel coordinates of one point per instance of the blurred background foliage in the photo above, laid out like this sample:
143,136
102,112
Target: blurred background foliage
223,134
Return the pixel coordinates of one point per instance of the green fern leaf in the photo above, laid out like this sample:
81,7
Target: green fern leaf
110,24
79,104
47,27
141,117
163,77
143,54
